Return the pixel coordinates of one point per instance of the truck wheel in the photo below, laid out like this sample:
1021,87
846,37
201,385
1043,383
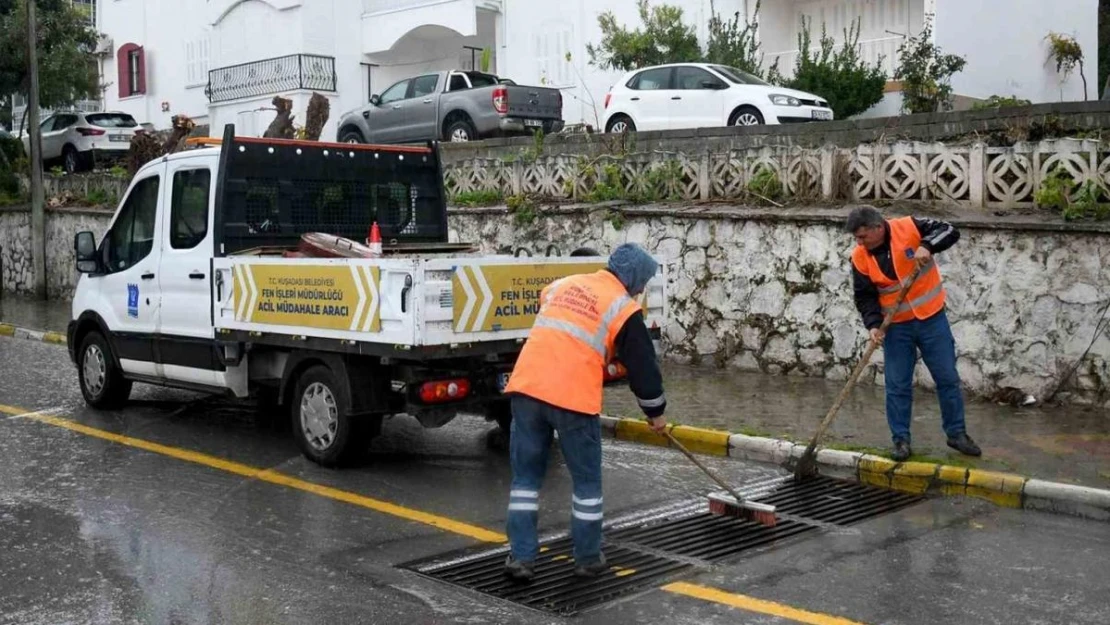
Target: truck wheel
325,432
461,131
350,135
102,382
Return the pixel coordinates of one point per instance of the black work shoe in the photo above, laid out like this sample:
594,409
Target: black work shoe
520,571
902,451
592,569
963,444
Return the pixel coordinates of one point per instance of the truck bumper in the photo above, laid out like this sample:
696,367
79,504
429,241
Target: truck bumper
517,125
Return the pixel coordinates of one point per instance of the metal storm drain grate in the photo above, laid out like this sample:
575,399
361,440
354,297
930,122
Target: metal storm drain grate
650,547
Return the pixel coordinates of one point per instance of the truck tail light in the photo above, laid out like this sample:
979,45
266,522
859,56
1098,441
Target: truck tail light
608,96
443,391
89,132
501,100
615,371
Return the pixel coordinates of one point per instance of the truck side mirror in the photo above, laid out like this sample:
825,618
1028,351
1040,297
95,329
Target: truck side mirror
84,247
376,100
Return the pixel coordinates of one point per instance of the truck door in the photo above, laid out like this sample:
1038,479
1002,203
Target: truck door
386,119
186,341
128,293
422,116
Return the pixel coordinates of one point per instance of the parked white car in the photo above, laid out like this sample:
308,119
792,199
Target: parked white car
80,139
699,95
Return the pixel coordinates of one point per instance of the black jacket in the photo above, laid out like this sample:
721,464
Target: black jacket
936,236
636,352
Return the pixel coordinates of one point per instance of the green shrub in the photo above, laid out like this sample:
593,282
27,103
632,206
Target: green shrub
837,73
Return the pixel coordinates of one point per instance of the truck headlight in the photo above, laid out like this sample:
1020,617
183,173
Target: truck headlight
785,100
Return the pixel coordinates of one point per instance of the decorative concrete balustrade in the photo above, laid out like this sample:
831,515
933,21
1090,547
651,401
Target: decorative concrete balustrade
968,175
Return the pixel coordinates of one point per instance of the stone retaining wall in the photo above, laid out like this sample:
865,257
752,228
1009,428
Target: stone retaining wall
771,290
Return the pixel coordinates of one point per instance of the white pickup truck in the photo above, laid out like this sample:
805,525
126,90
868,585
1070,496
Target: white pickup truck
196,285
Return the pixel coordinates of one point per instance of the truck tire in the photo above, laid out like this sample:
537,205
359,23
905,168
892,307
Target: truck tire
461,131
325,431
351,135
102,383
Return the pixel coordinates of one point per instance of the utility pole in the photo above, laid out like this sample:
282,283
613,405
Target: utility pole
38,219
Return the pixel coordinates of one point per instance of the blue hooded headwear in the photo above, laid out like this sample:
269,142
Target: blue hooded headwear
633,266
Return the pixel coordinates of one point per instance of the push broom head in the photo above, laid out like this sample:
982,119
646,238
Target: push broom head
723,504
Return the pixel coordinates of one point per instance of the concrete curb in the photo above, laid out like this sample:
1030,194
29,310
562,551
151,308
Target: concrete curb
57,338
1002,489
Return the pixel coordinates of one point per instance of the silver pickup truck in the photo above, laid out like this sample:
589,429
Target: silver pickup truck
453,106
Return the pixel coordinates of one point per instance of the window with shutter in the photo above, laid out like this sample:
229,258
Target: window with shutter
131,70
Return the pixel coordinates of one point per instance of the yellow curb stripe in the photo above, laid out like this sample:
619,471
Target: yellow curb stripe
701,440
273,477
56,338
752,604
7,329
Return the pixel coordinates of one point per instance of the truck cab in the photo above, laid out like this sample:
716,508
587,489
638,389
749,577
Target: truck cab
198,284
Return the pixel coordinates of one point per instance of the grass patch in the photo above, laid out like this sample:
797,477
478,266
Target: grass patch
472,199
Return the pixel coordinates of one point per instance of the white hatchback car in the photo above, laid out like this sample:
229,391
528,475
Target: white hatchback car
81,139
699,95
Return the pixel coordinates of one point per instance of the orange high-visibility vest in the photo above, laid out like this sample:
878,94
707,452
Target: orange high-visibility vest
572,341
926,296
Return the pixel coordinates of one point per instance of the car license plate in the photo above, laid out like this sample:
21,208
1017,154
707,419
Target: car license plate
826,115
118,138
533,122
502,382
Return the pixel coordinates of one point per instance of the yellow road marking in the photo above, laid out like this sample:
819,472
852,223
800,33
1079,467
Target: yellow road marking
752,604
272,477
623,572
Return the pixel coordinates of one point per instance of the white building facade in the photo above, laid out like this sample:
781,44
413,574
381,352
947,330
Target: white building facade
224,62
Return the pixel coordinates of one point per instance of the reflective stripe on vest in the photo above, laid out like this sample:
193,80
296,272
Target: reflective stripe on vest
597,341
917,302
895,289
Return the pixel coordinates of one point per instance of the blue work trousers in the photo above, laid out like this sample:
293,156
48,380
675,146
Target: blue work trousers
933,337
533,425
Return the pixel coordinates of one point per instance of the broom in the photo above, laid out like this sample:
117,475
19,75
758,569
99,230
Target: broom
720,506
807,464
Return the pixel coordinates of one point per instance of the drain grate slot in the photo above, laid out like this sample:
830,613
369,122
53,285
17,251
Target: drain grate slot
664,545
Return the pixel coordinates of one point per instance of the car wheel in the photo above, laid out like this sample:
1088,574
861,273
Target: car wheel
102,383
71,160
326,432
461,131
746,116
620,124
351,135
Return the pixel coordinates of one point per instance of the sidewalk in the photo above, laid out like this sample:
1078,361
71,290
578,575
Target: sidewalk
1069,444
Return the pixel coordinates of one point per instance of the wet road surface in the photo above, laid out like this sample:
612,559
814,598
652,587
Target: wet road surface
171,512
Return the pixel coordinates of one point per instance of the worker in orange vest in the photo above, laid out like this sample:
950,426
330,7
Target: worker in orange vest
585,321
886,253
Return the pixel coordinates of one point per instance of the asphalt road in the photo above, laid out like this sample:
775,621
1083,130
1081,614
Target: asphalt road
174,511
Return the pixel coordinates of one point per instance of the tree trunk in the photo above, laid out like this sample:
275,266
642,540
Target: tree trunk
318,111
182,126
282,126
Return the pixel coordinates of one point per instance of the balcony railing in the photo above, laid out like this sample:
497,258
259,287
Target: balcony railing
271,76
871,51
